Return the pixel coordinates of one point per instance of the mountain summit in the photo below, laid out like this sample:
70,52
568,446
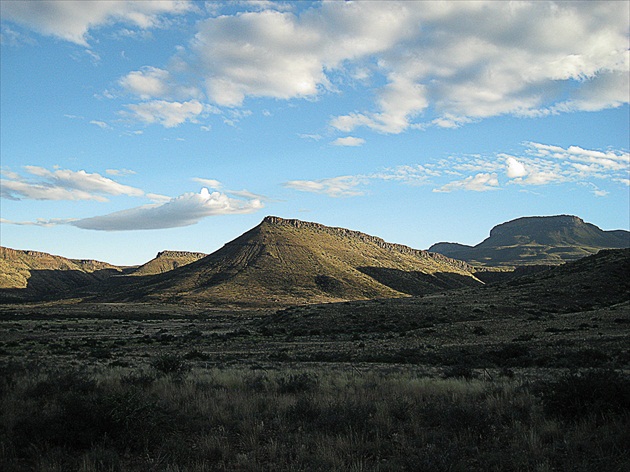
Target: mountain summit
286,261
537,240
167,260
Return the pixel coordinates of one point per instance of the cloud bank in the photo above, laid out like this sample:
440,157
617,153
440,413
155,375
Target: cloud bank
426,63
72,21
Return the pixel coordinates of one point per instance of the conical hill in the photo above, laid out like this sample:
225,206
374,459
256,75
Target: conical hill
284,261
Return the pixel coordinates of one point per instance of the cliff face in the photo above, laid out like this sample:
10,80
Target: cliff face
368,239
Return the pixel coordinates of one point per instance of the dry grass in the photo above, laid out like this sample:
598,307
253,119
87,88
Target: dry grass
317,419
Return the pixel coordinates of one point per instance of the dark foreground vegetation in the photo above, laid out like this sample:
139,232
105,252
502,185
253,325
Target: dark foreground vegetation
168,417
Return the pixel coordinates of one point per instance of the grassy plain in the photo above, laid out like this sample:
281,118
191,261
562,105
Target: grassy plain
434,383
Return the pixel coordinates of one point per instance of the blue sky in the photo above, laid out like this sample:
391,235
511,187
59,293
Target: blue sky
131,127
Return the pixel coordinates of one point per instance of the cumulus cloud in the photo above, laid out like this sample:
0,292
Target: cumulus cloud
444,63
150,82
515,168
185,210
476,183
425,63
349,141
62,184
343,186
72,21
465,60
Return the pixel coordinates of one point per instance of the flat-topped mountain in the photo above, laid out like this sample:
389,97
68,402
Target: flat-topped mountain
284,261
549,240
166,261
45,274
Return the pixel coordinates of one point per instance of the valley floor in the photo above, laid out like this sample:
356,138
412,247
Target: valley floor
424,384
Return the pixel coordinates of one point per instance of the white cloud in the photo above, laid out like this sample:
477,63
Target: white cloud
411,175
476,183
349,141
250,195
543,164
539,165
63,184
100,124
39,222
515,168
15,190
119,172
343,186
313,137
441,63
150,82
185,210
210,183
168,114
600,161
72,21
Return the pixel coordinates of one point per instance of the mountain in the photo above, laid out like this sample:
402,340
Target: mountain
33,274
166,261
546,240
283,261
591,286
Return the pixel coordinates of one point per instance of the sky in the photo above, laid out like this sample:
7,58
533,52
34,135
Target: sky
132,127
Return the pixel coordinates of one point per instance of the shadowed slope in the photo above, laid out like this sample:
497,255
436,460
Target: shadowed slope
597,282
291,261
537,240
33,274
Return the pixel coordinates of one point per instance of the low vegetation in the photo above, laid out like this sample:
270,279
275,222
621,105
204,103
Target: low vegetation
160,418
527,375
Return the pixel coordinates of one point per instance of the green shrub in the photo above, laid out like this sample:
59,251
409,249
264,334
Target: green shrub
170,364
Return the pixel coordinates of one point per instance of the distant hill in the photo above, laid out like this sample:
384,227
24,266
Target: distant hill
284,261
596,282
33,274
166,261
538,240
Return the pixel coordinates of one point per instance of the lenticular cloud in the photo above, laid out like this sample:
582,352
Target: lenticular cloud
185,210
